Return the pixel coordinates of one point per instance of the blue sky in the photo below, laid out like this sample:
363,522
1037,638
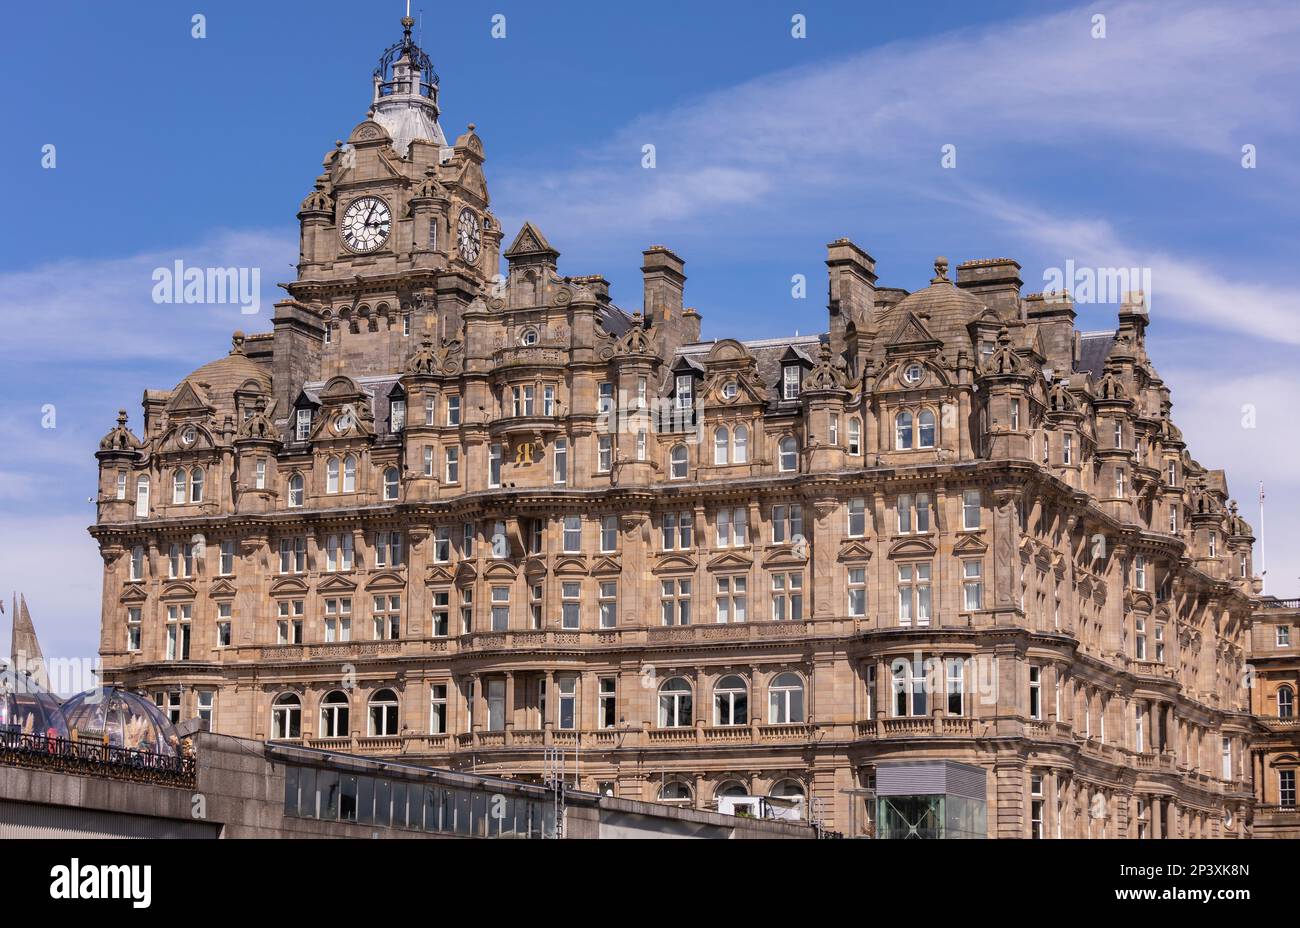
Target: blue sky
1119,151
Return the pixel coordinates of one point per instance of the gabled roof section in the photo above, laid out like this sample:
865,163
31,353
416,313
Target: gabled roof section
530,242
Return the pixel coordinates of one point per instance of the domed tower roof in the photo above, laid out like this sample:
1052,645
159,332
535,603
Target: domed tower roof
941,297
406,93
28,708
220,379
127,719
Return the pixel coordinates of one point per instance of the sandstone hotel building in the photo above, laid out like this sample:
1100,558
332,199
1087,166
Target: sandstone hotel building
471,515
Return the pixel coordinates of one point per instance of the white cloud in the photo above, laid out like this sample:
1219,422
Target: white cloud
102,310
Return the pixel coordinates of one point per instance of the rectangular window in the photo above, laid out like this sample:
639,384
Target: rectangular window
904,509
833,430
535,601
338,620
732,528
970,510
609,534
466,610
731,598
302,426
676,529
226,563
178,632
452,459
857,517
608,604
787,524
685,391
259,474
972,584
388,549
289,623
1282,636
133,628
453,410
572,534
640,444
224,619
1035,692
787,597
1160,643
561,460
607,713
605,398
1286,787
790,382
494,466
675,601
548,400
430,415
438,709
1214,544
442,544
441,611
955,685
428,461
1139,639
386,618
338,552
857,592
567,688
121,485
500,608
1067,449
571,605
137,563
205,705
604,453
1139,572
914,594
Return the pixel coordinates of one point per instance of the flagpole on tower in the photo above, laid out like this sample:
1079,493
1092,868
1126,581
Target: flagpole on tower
1263,570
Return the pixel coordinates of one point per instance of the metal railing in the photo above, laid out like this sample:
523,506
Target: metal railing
86,758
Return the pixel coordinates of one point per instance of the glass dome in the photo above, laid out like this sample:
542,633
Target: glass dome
126,719
27,708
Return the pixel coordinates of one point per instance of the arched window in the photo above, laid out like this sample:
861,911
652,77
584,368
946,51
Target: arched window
675,708
855,436
675,791
1285,702
925,421
903,431
785,700
286,717
334,715
731,788
721,445
196,485
178,485
141,497
332,475
295,491
730,702
677,460
383,714
789,794
789,454
350,474
390,483
740,447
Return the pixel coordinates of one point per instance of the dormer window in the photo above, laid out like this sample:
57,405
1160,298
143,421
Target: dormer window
685,391
302,426
397,416
790,382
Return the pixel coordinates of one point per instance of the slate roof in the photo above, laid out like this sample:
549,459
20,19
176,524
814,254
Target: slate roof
1094,349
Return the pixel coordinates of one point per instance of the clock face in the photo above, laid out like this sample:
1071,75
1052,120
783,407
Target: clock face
366,224
469,236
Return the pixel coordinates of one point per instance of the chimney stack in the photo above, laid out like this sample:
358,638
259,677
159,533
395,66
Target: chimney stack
664,283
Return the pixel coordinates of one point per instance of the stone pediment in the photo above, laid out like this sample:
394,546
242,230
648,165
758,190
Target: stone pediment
731,560
783,556
535,567
387,580
571,564
970,544
188,399
913,334
289,586
530,242
466,571
606,566
337,583
134,593
438,573
369,133
853,550
178,589
1138,602
912,547
501,570
674,563
221,588
172,444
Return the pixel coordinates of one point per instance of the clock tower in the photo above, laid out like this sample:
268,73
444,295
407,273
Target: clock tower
397,238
